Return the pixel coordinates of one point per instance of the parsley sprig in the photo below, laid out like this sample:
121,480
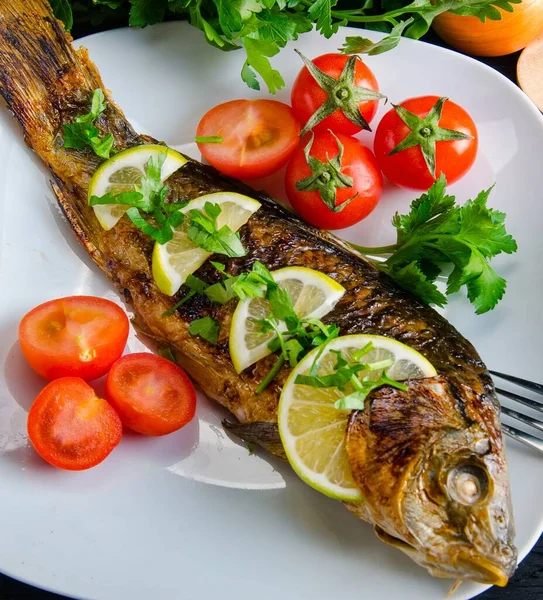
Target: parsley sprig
147,208
437,232
205,233
260,28
354,376
82,133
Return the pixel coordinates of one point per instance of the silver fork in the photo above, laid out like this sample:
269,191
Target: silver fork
525,438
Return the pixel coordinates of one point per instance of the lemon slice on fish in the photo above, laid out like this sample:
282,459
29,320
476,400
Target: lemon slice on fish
313,430
174,261
313,294
123,172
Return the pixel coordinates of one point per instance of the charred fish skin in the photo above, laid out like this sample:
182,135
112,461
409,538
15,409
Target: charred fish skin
46,82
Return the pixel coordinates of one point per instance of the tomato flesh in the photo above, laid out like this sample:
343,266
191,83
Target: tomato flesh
70,427
358,163
79,336
152,395
258,136
408,168
306,96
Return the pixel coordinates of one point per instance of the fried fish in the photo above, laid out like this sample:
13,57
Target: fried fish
429,461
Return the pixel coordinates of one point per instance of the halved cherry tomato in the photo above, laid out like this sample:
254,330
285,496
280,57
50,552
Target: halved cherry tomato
70,427
408,167
320,204
309,95
258,137
79,336
152,395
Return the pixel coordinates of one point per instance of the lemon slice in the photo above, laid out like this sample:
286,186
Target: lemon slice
122,173
313,430
313,294
174,261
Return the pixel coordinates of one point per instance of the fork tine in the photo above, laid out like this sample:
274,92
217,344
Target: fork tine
521,400
529,385
523,438
523,418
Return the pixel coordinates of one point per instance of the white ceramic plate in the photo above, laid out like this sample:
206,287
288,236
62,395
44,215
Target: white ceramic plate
194,515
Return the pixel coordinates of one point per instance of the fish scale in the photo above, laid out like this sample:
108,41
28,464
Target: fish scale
406,447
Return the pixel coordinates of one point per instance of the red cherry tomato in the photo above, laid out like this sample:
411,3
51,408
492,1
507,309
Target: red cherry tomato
152,395
407,167
307,96
79,336
258,137
357,162
70,427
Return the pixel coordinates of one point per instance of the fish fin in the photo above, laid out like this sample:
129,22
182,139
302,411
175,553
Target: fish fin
263,433
84,229
386,441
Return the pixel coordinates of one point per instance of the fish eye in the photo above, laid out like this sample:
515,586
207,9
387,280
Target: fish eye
468,484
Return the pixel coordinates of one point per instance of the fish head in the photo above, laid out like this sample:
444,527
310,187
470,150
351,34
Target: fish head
433,475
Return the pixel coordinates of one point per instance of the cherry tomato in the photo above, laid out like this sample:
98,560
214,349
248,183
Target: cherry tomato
308,95
258,137
70,427
79,336
152,395
357,162
408,167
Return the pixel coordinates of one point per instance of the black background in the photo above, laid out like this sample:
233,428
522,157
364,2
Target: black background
526,584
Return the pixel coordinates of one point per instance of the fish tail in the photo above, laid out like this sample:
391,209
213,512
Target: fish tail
46,83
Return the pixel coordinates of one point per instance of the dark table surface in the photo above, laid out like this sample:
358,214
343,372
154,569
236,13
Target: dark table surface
526,584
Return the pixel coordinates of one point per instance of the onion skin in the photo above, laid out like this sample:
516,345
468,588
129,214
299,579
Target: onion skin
513,32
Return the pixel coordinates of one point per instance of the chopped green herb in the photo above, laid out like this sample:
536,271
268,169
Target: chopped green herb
204,233
82,133
207,328
208,139
167,354
250,448
149,198
195,285
348,374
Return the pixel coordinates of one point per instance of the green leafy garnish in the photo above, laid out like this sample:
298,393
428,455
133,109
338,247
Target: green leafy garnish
195,286
82,133
167,353
149,198
260,28
207,328
300,336
356,377
437,232
204,233
208,139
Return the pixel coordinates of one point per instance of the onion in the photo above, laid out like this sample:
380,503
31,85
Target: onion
530,71
513,32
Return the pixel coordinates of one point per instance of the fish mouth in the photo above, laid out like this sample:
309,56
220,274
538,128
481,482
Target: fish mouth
483,570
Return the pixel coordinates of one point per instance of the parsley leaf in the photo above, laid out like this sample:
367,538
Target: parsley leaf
83,133
351,376
195,286
207,328
321,12
147,12
204,233
63,12
435,232
149,197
